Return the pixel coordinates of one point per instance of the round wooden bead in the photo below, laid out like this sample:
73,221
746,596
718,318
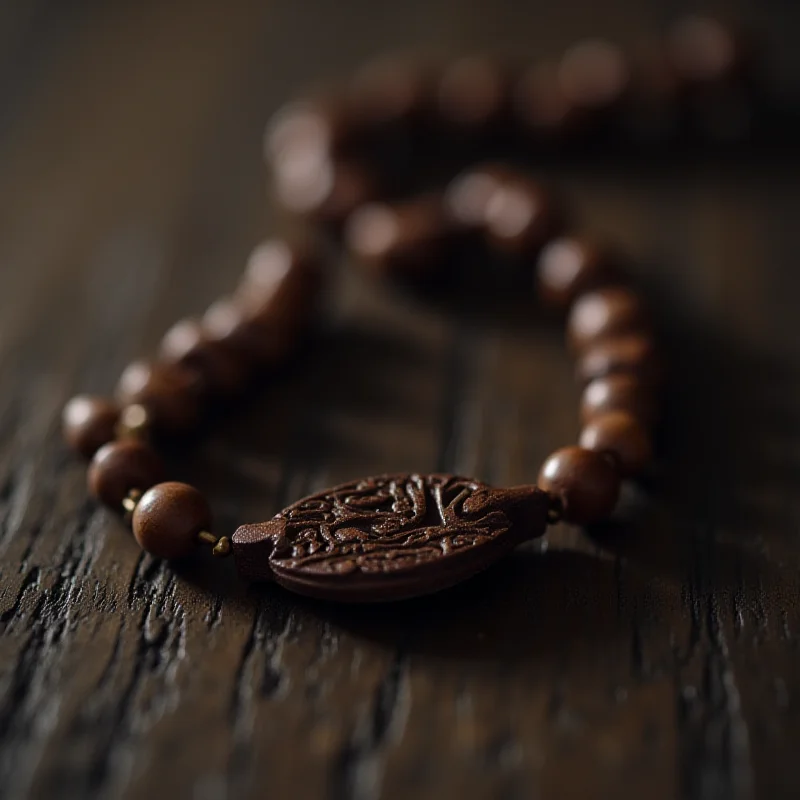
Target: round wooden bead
228,322
280,286
593,74
520,218
169,393
119,467
218,369
619,392
168,518
541,105
406,240
586,483
634,354
604,313
622,435
467,196
313,129
391,91
570,266
473,93
320,188
703,50
88,423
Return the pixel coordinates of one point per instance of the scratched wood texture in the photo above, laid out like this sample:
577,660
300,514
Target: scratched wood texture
659,660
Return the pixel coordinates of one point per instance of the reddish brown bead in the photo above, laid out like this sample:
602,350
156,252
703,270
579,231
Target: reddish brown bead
119,467
604,313
619,392
405,240
473,93
168,518
622,435
568,267
316,129
218,369
703,50
229,322
391,91
634,354
542,106
468,195
88,423
170,394
321,188
280,287
593,74
586,483
520,217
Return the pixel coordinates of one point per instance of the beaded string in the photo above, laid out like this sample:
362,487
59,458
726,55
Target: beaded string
327,158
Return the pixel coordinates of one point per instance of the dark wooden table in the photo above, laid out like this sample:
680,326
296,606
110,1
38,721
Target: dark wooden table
657,661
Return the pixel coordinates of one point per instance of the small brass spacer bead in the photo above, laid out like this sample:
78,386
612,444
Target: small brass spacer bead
220,545
556,511
222,548
130,502
134,422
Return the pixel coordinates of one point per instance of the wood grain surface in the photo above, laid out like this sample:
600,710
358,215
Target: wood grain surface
656,661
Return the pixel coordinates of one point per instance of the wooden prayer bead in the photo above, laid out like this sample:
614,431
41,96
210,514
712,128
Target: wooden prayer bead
604,313
622,435
520,217
473,93
280,286
569,266
170,394
119,467
88,423
407,240
586,483
391,91
467,196
321,188
634,354
593,74
218,369
619,392
541,105
168,518
230,323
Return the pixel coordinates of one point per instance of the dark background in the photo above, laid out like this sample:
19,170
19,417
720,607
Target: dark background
658,661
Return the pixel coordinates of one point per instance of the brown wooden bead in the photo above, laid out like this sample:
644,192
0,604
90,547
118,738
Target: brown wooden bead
634,354
586,483
390,91
473,93
467,196
170,394
406,240
520,217
702,49
321,188
219,369
88,423
229,322
594,74
541,105
569,266
619,392
604,313
622,435
280,287
168,518
119,467
313,130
